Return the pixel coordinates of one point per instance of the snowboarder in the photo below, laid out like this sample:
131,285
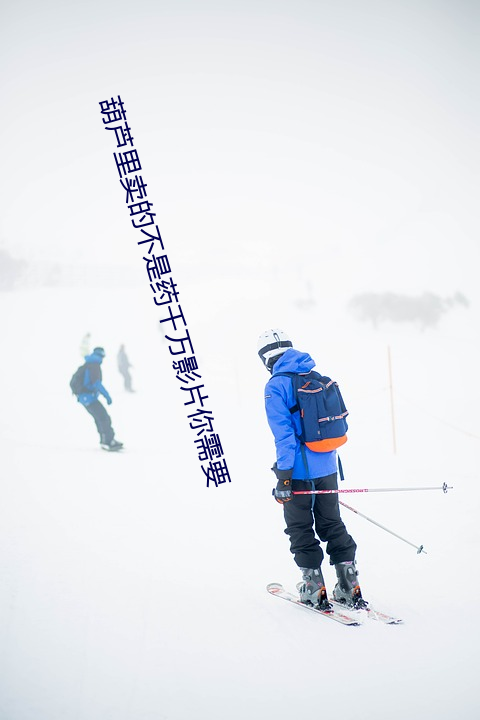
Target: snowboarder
88,397
123,366
299,468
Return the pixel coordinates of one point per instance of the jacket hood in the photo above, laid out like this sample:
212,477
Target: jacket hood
93,358
293,361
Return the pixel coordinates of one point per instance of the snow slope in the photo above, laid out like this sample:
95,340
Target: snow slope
130,591
293,151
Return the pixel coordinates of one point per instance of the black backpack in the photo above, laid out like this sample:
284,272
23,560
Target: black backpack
78,379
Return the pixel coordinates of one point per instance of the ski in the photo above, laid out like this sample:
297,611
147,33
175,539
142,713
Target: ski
371,613
336,613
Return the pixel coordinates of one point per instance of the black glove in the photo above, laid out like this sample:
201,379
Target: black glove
283,492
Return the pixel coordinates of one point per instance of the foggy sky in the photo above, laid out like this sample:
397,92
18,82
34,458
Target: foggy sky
349,129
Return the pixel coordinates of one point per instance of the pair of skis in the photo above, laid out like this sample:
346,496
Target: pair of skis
338,613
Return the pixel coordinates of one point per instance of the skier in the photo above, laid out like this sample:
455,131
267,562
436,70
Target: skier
299,468
123,366
88,397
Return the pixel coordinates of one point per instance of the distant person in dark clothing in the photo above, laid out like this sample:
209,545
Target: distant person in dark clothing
123,366
85,345
88,397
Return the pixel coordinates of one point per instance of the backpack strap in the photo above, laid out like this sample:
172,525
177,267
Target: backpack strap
293,377
305,463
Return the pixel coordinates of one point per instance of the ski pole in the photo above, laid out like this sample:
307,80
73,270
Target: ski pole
418,548
443,487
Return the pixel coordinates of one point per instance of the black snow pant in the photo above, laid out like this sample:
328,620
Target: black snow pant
102,421
306,515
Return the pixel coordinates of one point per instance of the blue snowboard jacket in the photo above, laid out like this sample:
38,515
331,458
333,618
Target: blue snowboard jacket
93,381
285,426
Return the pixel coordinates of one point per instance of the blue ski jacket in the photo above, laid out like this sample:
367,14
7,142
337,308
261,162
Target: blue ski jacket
93,381
285,426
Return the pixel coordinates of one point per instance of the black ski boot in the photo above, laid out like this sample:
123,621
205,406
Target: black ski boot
347,590
312,589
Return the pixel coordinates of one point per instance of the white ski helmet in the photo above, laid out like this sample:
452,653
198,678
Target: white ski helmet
271,344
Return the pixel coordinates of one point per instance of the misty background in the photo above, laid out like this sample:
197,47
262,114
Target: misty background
313,166
349,129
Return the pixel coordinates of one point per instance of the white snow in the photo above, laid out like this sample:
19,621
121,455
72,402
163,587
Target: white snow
294,152
130,590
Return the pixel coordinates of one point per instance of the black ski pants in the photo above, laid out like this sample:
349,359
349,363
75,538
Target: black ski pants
102,421
309,516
